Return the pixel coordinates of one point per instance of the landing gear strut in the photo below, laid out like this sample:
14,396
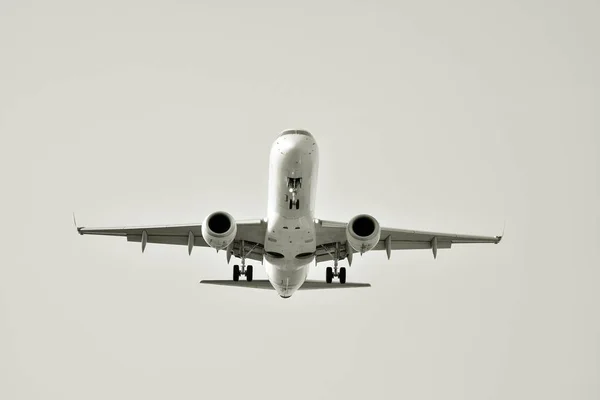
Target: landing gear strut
330,273
243,270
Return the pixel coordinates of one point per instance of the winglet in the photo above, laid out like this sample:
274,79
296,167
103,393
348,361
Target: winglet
75,224
499,238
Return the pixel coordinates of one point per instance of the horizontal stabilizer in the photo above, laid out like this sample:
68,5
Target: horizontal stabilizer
265,284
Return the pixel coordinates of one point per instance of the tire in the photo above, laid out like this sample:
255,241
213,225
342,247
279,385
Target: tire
329,275
236,273
249,273
297,204
342,275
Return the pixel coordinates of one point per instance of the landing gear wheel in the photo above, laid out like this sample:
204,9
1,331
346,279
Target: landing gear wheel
297,204
249,271
236,273
342,275
329,275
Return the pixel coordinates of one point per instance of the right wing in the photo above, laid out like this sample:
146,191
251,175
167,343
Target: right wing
331,238
250,233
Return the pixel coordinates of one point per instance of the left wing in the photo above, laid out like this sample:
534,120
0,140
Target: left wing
331,238
250,234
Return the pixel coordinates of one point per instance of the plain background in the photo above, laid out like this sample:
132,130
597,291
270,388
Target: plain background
447,116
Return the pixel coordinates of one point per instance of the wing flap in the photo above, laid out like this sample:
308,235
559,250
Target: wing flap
155,230
167,239
412,245
423,236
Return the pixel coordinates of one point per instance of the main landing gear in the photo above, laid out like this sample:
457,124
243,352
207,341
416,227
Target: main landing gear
243,270
331,272
247,271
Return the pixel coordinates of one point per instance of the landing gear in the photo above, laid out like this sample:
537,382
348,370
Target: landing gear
247,271
294,185
295,203
333,272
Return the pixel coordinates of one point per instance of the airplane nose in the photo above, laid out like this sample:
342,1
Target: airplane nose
296,132
284,292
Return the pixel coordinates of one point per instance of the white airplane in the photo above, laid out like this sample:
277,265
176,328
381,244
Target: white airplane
290,238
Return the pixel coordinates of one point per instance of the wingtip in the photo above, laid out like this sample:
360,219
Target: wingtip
78,228
499,238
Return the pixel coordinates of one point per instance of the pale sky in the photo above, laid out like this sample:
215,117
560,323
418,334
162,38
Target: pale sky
446,116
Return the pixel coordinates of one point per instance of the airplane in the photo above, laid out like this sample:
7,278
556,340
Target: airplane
289,239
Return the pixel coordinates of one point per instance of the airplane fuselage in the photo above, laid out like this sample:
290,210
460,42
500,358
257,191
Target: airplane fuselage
290,241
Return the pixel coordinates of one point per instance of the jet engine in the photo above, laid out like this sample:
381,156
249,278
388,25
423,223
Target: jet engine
363,233
219,230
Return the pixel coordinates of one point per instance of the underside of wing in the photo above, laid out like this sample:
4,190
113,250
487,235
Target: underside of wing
332,241
166,234
248,240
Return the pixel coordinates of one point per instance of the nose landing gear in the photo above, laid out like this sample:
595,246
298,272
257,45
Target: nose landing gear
294,184
295,203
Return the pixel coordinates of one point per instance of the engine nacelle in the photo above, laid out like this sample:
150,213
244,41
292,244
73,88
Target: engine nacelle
219,230
363,232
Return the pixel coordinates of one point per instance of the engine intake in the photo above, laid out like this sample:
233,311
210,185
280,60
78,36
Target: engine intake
219,230
363,233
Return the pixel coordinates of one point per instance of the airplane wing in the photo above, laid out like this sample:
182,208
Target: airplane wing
250,234
331,237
